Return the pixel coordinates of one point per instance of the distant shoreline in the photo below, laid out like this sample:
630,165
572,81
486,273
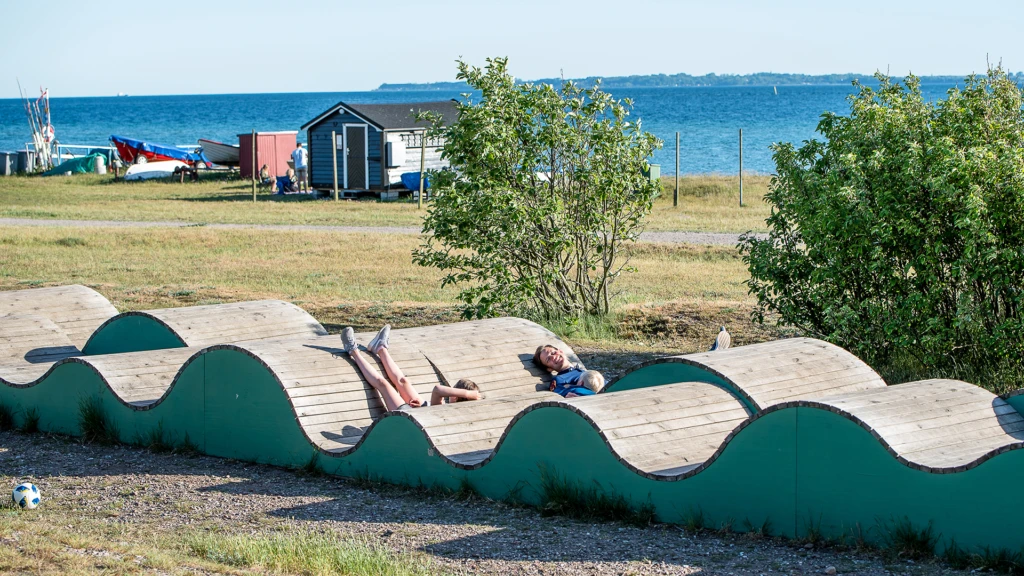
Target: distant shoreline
686,81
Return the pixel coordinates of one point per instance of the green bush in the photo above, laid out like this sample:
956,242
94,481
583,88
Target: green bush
547,185
901,236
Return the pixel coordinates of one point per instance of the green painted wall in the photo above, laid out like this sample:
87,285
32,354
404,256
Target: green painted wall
131,333
847,479
1017,402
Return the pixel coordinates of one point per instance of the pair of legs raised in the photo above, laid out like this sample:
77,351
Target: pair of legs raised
395,390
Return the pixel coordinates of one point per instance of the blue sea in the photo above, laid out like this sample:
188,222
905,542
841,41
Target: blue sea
707,118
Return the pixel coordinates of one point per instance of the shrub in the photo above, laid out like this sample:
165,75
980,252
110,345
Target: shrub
902,234
547,185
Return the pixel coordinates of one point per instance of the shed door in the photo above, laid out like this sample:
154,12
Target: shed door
356,176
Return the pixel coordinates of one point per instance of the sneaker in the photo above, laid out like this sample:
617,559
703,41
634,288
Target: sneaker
380,340
348,339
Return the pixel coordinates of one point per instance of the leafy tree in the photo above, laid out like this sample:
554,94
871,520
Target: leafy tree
546,187
902,235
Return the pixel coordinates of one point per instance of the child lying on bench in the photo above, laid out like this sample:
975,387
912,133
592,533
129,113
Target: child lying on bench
396,390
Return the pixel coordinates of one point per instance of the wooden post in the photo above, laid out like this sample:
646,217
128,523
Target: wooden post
741,167
675,195
423,162
334,157
254,166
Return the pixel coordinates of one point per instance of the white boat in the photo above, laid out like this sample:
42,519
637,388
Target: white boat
220,153
151,170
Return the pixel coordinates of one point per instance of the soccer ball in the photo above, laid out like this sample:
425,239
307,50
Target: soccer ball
26,496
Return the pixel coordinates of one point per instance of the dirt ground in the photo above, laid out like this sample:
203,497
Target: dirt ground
146,493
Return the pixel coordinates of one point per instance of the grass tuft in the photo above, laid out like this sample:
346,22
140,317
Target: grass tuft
31,423
694,521
187,447
156,440
70,241
6,418
987,559
562,497
813,530
903,540
762,531
312,467
93,423
304,552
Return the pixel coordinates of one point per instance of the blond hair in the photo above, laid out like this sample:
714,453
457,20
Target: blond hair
593,380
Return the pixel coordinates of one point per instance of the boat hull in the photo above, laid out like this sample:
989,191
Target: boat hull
220,153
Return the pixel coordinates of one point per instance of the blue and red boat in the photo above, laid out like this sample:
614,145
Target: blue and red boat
137,152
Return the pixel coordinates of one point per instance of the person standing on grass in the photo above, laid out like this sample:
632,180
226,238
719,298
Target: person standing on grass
300,157
396,391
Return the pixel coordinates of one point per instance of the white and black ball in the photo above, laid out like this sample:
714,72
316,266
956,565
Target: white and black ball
26,496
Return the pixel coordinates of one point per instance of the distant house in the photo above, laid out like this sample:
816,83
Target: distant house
375,144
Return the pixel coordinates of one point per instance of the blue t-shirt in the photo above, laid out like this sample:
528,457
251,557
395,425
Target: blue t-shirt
568,381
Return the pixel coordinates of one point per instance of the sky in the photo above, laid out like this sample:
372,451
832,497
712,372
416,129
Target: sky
257,46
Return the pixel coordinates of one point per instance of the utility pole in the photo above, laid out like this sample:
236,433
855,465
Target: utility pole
254,169
675,195
741,167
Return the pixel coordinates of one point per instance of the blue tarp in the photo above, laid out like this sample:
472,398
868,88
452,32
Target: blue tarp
411,180
169,151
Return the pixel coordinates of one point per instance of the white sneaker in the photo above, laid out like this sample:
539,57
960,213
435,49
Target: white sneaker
380,340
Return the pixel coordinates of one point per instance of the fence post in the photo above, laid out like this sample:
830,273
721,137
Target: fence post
741,167
423,161
675,195
334,157
254,166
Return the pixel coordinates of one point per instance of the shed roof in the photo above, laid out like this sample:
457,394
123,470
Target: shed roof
392,116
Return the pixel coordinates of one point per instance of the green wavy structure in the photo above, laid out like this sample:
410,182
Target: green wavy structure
800,465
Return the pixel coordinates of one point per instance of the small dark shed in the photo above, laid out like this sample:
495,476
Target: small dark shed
375,144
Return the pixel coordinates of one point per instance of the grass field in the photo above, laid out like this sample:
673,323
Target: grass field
57,541
675,300
707,203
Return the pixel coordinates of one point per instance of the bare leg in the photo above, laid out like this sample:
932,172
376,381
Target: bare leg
405,388
392,400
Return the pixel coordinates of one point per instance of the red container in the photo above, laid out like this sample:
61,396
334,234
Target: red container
272,148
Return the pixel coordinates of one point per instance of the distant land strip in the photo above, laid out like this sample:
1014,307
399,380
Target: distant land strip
676,80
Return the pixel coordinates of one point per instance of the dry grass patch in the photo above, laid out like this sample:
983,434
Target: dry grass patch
707,203
674,303
150,268
710,203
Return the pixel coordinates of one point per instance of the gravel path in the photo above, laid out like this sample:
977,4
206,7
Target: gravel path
175,493
704,238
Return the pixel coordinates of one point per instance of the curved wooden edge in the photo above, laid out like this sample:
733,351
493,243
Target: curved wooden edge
555,403
710,363
140,313
84,305
892,452
172,319
89,362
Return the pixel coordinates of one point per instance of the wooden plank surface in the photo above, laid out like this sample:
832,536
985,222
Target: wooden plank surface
75,309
